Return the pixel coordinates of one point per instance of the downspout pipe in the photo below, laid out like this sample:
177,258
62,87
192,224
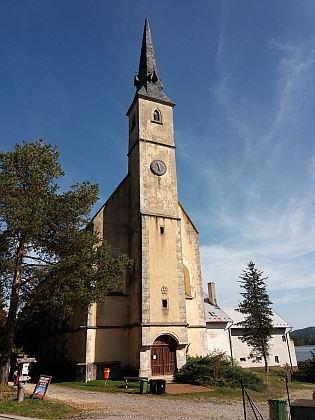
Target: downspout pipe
230,341
288,345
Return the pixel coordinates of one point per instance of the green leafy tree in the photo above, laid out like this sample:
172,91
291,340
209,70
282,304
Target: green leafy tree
257,325
47,256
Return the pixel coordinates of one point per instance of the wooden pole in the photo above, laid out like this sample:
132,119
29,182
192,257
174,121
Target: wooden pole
21,390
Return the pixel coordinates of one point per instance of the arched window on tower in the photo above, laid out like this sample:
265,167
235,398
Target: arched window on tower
157,116
187,282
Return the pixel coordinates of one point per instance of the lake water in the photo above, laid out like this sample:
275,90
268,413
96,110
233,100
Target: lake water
303,352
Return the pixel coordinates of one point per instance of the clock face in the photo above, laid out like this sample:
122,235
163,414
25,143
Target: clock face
158,167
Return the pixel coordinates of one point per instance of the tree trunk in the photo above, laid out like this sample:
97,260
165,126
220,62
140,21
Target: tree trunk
265,356
8,339
11,320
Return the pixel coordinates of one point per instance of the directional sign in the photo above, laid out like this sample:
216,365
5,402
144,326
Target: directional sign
25,359
24,378
25,368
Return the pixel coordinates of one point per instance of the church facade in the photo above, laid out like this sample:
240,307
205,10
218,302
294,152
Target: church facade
147,327
161,306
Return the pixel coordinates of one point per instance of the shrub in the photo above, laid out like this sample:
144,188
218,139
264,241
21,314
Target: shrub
216,369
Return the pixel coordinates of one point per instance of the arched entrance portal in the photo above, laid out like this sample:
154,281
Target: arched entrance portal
163,356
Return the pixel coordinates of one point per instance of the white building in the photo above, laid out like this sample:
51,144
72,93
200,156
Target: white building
225,331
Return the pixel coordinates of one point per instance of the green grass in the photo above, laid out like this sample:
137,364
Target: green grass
33,407
99,386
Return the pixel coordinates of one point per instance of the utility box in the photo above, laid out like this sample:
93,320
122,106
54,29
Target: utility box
303,410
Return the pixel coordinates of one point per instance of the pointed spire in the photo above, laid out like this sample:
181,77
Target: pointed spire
147,79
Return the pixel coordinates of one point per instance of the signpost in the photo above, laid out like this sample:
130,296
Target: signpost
22,374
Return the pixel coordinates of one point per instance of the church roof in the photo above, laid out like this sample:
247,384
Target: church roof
147,80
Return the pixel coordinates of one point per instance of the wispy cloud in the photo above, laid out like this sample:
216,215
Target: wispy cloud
295,83
273,220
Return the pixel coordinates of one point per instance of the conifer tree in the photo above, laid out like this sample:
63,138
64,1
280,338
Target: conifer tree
258,325
47,256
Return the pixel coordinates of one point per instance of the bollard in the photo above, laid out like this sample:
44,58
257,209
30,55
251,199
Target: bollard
106,372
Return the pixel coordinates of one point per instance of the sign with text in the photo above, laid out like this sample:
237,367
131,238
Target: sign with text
24,378
41,386
25,368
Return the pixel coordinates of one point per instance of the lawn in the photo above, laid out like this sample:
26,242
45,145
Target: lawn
33,407
99,386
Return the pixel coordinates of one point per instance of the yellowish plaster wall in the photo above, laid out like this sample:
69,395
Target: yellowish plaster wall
160,132
112,345
165,272
113,312
197,336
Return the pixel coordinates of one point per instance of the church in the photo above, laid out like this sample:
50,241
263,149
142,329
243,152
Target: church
147,327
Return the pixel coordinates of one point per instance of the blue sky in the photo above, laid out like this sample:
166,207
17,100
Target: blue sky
242,75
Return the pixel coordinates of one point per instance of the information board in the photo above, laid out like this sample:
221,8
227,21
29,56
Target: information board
41,386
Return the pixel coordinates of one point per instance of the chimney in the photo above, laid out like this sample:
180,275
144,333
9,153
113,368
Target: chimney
211,294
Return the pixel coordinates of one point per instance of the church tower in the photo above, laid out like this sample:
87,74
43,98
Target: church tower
147,327
155,221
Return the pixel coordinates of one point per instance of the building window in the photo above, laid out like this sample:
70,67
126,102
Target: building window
243,359
258,359
157,116
284,338
164,303
276,359
162,229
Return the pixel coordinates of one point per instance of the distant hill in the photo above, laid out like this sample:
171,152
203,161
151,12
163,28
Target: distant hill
303,332
303,336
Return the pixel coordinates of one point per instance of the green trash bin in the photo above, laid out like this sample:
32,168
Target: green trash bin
277,410
143,386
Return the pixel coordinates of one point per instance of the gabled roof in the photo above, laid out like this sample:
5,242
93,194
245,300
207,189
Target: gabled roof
238,318
215,314
147,80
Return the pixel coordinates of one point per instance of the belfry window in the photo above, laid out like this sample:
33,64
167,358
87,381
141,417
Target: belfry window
157,116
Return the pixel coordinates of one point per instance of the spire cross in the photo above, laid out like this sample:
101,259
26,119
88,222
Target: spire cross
146,13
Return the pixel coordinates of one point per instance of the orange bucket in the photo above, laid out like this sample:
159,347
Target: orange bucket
106,372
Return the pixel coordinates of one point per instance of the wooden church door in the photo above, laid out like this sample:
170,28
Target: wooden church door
163,356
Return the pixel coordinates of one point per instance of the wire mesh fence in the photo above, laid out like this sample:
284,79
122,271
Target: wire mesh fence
289,404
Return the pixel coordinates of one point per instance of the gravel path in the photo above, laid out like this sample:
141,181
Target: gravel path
136,406
147,406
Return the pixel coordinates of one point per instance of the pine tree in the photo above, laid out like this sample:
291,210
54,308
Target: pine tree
47,256
258,325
